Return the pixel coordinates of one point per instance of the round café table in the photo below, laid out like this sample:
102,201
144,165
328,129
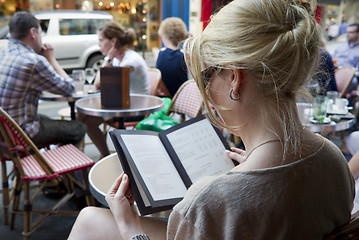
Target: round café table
330,127
140,105
305,112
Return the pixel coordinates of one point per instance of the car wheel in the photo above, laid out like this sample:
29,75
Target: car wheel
95,62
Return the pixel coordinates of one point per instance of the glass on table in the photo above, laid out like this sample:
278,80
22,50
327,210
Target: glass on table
79,81
320,108
90,78
332,96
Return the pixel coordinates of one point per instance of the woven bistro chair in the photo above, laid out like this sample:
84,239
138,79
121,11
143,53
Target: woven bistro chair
187,101
157,86
31,165
344,77
6,174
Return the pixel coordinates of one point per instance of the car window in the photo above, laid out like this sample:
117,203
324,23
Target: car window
94,24
73,26
44,23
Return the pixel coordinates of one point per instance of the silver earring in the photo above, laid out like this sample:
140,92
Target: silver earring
231,95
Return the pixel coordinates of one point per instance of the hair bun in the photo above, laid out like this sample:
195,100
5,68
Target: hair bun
309,6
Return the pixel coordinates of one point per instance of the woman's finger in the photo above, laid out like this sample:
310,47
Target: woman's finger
122,189
113,189
235,156
238,150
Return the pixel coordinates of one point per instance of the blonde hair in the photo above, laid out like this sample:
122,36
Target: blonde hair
125,38
174,29
276,41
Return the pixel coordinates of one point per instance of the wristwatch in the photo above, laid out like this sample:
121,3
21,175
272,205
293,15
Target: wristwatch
140,237
107,59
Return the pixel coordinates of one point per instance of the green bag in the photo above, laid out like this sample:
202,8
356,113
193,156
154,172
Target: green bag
158,121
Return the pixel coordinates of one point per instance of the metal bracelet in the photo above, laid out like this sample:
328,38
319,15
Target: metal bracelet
140,237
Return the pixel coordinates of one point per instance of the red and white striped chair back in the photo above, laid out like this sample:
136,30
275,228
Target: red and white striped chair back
343,78
187,100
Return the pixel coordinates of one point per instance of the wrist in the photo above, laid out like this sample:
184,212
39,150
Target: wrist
107,59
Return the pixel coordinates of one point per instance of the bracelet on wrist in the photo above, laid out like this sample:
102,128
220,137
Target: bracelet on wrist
140,237
107,59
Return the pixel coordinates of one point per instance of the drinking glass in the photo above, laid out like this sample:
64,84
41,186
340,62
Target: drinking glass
90,77
79,81
320,108
332,96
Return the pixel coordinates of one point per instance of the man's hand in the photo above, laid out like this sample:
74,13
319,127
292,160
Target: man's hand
48,51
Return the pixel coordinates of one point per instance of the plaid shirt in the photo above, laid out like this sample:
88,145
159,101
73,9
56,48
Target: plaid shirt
24,74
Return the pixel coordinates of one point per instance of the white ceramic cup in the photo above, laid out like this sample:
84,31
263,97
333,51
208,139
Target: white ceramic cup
340,105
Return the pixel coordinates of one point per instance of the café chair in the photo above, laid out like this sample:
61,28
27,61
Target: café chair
7,189
157,86
187,102
347,231
32,166
343,77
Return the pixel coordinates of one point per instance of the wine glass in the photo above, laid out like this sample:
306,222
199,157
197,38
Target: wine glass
79,81
90,77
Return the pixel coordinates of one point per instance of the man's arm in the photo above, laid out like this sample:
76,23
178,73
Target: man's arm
48,52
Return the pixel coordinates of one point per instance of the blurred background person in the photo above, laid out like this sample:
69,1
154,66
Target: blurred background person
343,27
116,44
347,54
170,59
325,72
333,30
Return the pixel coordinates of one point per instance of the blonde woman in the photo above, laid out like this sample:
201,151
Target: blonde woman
249,63
116,43
170,59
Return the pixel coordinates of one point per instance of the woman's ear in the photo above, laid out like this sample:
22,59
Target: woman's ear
236,79
114,42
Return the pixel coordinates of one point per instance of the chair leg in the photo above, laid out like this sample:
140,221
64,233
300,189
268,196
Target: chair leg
15,205
5,192
27,211
71,189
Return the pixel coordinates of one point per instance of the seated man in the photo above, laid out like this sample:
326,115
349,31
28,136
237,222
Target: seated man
347,54
28,67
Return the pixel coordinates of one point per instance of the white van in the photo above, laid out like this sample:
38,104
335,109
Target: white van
73,35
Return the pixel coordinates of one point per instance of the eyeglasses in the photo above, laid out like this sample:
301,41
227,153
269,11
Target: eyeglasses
352,32
207,75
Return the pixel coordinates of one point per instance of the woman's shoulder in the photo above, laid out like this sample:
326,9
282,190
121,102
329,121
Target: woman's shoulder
132,58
